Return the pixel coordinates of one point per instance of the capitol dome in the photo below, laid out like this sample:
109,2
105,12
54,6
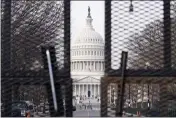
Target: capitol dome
89,35
87,60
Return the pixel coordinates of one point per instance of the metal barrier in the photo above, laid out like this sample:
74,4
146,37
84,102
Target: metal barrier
25,29
146,30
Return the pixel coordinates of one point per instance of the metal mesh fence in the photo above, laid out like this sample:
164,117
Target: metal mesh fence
145,29
139,27
140,32
173,32
141,98
26,27
34,24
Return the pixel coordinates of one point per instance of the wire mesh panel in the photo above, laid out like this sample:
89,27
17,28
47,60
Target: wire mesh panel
34,24
173,32
145,101
142,96
26,27
140,32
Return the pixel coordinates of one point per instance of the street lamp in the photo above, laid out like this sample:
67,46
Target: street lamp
113,90
129,105
148,102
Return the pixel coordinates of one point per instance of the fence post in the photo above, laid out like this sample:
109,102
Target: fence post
122,84
167,57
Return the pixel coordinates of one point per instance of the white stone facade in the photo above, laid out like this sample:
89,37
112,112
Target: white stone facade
87,60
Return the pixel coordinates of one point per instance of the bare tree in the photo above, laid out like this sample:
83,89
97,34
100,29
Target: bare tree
147,46
33,23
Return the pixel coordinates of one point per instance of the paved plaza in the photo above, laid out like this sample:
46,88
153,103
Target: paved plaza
87,109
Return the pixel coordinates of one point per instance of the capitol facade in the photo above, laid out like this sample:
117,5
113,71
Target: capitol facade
87,61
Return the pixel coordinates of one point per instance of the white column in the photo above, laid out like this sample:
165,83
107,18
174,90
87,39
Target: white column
73,65
83,90
101,66
78,65
94,89
94,65
79,90
98,89
91,63
86,65
91,89
97,65
83,66
87,91
75,88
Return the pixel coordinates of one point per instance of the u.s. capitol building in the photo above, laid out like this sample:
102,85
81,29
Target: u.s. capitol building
87,61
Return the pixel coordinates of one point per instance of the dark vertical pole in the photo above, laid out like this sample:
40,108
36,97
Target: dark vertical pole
68,98
129,104
67,58
104,97
6,55
122,86
6,36
167,35
67,36
167,57
107,36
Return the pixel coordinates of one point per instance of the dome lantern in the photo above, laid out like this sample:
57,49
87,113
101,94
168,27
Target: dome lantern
89,19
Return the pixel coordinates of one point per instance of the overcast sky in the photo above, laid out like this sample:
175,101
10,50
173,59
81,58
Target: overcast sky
79,12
